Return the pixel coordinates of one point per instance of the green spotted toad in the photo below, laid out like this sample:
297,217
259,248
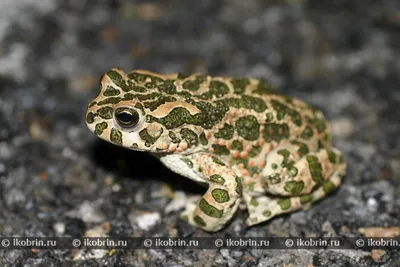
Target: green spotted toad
238,136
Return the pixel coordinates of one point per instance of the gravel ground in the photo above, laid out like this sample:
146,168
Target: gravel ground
58,179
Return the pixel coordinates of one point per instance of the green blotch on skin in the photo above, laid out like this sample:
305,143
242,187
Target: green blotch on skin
149,137
116,78
155,79
251,186
269,117
141,78
255,150
305,199
226,132
280,115
293,171
106,112
315,168
161,100
173,137
209,209
197,219
220,150
100,127
285,203
276,132
307,133
217,88
293,187
254,170
283,110
237,145
189,136
149,119
124,85
248,127
203,140
218,161
254,202
332,157
145,97
274,178
237,161
220,195
309,119
320,125
140,107
110,100
315,187
129,96
267,213
139,89
274,166
264,88
194,85
328,187
288,99
289,165
239,185
216,178
320,145
177,117
111,91
168,87
134,145
303,148
285,162
209,116
285,154
188,162
116,136
245,101
90,117
92,104
239,85
138,77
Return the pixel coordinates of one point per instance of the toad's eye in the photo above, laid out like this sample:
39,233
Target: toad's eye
126,117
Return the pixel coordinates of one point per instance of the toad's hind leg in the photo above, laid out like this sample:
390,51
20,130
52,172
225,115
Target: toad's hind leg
294,182
263,208
217,206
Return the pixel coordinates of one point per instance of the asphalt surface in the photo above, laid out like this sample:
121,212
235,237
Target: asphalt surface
58,179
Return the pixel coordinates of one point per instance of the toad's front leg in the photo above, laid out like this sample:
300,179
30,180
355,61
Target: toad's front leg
220,202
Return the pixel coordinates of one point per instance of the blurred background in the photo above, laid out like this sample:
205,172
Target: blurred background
58,179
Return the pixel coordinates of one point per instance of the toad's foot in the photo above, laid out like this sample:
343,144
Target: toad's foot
220,202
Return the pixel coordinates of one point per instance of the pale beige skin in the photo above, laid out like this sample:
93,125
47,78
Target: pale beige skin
236,135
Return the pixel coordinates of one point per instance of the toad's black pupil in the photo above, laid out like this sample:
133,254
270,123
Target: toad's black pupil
125,117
